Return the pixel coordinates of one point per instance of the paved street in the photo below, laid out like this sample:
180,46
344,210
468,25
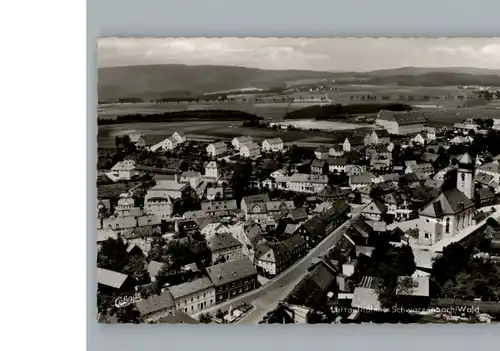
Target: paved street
266,298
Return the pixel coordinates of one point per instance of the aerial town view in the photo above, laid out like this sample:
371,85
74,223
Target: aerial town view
296,180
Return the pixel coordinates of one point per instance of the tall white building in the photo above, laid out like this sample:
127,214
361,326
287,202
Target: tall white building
465,175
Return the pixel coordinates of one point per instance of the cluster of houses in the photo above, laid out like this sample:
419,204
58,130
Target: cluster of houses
263,236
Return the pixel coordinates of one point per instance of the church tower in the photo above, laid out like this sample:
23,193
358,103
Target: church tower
465,175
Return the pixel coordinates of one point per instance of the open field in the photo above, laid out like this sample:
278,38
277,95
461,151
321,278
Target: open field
266,110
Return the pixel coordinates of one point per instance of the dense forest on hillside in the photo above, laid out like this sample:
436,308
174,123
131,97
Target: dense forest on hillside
216,115
437,79
339,111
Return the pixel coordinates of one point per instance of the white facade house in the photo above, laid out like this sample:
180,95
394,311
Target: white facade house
194,179
418,139
401,123
346,146
161,206
249,150
337,165
138,141
303,183
211,170
274,145
216,149
194,296
168,144
492,169
123,170
179,137
238,142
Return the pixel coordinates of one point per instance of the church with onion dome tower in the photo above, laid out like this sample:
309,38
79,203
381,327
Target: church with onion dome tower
452,210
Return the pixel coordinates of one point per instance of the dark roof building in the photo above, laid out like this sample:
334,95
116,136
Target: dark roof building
230,271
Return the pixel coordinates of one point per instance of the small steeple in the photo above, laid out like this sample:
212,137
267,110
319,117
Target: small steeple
466,161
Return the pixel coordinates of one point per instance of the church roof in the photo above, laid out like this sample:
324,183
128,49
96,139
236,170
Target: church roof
466,159
449,202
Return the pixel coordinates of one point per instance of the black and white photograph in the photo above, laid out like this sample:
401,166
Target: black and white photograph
298,180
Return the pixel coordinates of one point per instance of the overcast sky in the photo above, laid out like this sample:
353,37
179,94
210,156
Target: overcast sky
301,53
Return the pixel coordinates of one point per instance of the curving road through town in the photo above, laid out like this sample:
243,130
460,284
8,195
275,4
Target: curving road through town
267,297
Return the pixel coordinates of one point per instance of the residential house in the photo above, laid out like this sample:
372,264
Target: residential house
123,170
224,246
413,292
430,133
361,180
352,170
111,281
215,193
219,208
375,210
445,216
337,165
161,206
194,179
321,152
249,234
179,137
313,289
169,143
318,166
258,208
377,137
334,192
138,141
466,127
492,169
211,170
366,297
216,149
192,297
168,188
279,173
303,183
418,139
105,234
155,306
126,207
273,145
336,151
485,197
118,223
238,142
273,258
423,168
319,227
461,140
346,145
213,228
401,123
233,278
249,150
397,206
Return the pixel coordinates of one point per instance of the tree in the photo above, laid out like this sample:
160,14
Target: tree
299,200
240,180
205,318
113,255
129,314
136,266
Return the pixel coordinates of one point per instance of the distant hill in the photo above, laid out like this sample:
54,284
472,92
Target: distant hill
154,82
182,81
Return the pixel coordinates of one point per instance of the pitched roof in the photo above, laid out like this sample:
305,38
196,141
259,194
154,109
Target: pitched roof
318,224
178,318
382,133
298,214
110,278
318,163
491,167
211,164
485,193
449,202
222,205
191,287
230,271
337,161
364,178
154,303
321,148
375,207
420,286
220,241
314,286
403,118
274,141
466,160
